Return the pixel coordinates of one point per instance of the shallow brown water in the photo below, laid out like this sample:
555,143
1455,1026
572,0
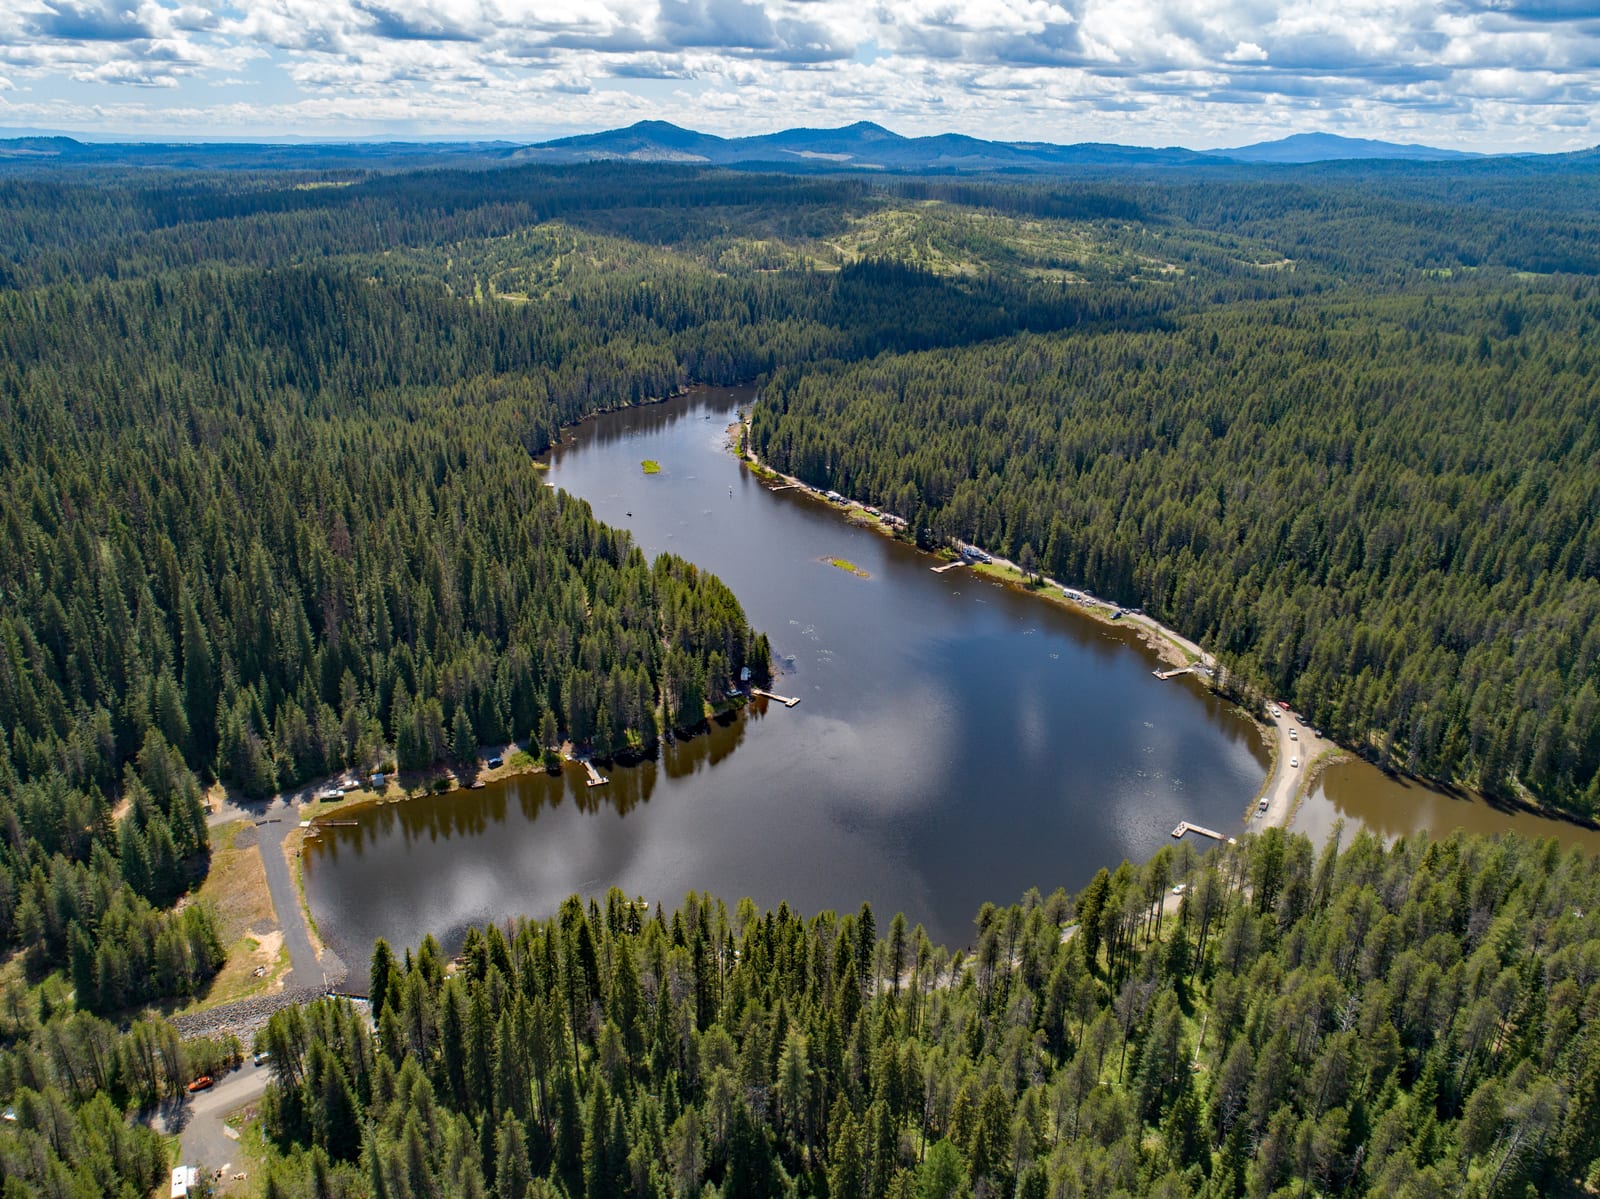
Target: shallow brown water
1391,806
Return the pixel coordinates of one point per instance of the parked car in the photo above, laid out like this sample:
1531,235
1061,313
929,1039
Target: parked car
203,1083
495,762
261,1058
1293,763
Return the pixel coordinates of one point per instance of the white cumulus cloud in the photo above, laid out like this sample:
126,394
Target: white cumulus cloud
1486,74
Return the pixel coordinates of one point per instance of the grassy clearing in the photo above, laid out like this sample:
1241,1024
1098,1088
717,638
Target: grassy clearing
236,887
252,1149
651,466
238,979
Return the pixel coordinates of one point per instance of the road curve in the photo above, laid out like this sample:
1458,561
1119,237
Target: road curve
201,1120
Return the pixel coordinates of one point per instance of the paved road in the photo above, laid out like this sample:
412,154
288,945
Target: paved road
200,1120
1296,741
277,822
275,819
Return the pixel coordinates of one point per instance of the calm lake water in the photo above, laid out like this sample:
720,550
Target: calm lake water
957,741
1360,794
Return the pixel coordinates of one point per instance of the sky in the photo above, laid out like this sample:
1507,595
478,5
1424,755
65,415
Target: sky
1489,75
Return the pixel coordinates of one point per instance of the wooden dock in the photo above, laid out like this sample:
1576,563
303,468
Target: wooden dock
939,570
787,701
784,487
1164,675
1185,827
596,779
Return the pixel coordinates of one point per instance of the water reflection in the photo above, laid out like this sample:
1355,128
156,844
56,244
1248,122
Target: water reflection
1394,806
957,741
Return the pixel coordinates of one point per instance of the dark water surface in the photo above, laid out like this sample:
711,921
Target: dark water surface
956,742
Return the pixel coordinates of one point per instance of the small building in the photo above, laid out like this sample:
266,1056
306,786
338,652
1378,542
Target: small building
378,781
1072,593
184,1177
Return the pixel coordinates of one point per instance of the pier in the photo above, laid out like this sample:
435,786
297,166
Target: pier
787,701
1164,675
939,570
596,779
1185,827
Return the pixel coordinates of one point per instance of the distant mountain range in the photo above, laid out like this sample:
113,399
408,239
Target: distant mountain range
865,146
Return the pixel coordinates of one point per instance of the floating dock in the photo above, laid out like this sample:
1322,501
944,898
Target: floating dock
939,570
1164,675
1185,827
596,779
787,701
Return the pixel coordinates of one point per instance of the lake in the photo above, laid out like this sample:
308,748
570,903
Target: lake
957,740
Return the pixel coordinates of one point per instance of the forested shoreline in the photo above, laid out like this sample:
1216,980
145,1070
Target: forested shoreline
1408,1021
1382,510
271,511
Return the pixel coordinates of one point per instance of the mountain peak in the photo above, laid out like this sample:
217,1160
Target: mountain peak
1327,147
866,145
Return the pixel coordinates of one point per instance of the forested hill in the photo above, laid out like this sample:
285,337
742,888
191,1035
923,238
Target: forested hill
270,511
1387,509
1406,1022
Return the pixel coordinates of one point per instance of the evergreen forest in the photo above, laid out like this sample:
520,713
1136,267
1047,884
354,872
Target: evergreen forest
1385,510
273,511
1405,1022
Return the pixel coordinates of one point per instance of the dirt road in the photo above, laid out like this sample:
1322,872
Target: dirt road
1296,743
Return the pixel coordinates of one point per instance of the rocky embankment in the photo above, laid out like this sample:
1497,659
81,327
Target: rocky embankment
243,1018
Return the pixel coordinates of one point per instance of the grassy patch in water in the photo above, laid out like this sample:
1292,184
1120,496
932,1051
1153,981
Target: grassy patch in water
651,466
848,567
